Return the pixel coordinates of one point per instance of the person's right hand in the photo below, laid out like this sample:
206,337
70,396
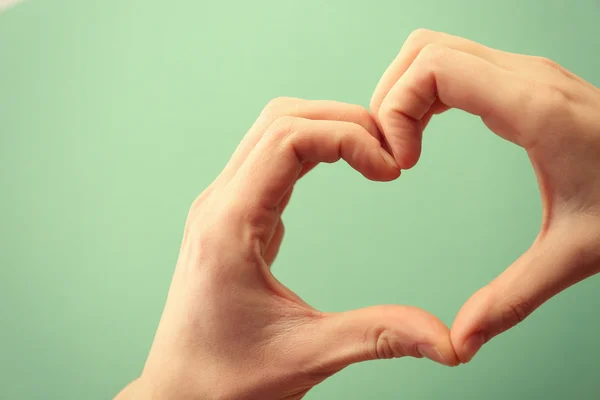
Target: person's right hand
534,103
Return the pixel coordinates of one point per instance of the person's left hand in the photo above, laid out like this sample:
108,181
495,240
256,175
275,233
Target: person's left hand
534,103
230,330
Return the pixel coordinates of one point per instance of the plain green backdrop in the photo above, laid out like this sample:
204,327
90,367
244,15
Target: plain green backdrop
114,115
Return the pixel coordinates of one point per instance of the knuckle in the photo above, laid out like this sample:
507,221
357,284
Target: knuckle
383,346
387,112
547,62
257,222
282,127
420,37
277,106
255,227
351,128
558,70
386,345
515,310
552,101
203,239
547,103
382,341
209,210
555,93
222,231
432,53
198,202
361,113
214,230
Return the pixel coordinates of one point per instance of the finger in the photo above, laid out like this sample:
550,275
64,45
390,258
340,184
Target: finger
286,200
309,109
418,40
274,244
457,80
437,108
306,168
275,163
542,272
380,332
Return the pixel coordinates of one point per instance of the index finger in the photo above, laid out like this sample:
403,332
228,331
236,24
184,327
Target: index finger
421,38
274,165
457,80
289,106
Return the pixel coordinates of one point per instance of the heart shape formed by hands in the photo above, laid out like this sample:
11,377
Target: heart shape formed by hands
230,330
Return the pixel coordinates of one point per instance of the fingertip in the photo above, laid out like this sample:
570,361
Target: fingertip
442,353
471,346
392,166
445,347
381,167
392,175
387,332
465,347
388,159
431,335
452,359
468,333
405,150
408,159
385,174
402,134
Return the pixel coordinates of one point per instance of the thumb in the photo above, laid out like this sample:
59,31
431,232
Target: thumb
553,263
382,332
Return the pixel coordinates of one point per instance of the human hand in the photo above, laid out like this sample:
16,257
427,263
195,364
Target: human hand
229,329
534,103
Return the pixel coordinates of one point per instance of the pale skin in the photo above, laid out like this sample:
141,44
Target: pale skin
230,330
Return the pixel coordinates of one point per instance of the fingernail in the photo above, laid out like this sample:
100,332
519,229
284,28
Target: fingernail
431,352
389,159
472,345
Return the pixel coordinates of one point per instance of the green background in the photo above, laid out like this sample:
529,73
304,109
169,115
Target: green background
114,115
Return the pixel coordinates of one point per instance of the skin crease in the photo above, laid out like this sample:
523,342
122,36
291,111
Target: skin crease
230,330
